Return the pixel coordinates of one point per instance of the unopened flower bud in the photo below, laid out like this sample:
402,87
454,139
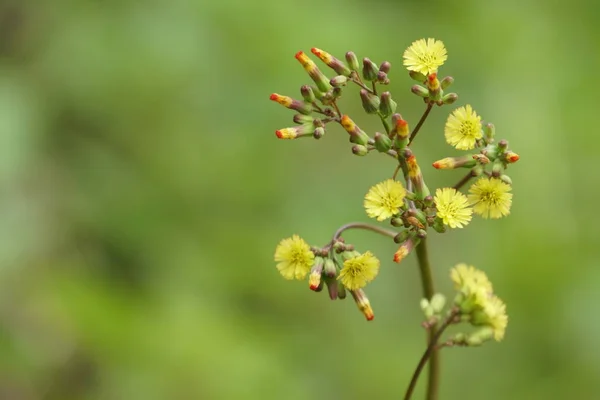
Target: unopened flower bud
307,93
449,98
382,142
341,290
339,80
506,179
397,221
433,84
481,159
319,132
295,131
497,169
446,82
363,303
357,135
385,67
428,201
360,150
503,144
370,70
438,302
438,225
387,106
370,102
352,61
417,76
511,157
316,271
329,268
303,119
455,162
292,104
421,233
382,78
332,62
489,130
405,248
401,236
480,336
332,288
416,177
336,92
313,71
491,151
420,91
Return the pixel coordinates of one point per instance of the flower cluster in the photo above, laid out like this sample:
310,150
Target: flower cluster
410,207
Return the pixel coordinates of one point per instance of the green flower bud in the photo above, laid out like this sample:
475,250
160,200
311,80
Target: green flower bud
387,106
426,308
417,76
338,81
420,91
489,130
438,302
438,225
308,93
357,135
446,82
397,221
352,61
506,179
428,201
402,236
421,233
331,61
319,132
370,102
503,145
303,119
382,142
370,70
480,336
360,150
329,268
332,288
336,92
497,169
341,290
449,98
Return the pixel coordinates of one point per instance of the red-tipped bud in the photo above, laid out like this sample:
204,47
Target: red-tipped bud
363,303
455,162
332,62
313,71
401,128
314,279
511,157
405,248
357,135
295,131
292,104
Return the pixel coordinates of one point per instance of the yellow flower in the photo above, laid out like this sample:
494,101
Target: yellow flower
474,286
452,207
294,257
463,128
425,56
383,200
359,270
490,198
495,312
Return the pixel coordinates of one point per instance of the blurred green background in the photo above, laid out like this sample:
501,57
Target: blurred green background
143,193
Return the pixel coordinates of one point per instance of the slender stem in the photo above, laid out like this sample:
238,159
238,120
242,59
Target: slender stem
356,79
362,225
463,181
396,172
428,291
337,109
374,88
420,123
429,352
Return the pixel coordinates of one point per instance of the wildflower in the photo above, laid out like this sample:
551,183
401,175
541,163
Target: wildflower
363,303
383,200
493,315
490,197
425,56
463,128
473,286
359,270
452,207
405,248
294,258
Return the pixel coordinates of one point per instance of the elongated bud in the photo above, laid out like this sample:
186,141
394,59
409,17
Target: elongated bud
303,119
385,67
420,91
455,162
319,132
359,150
352,61
307,93
370,70
316,271
363,303
396,221
415,175
341,290
419,216
417,76
382,142
401,236
339,80
511,157
405,248
449,98
357,135
401,132
489,130
446,82
387,106
332,62
497,169
491,151
438,302
506,179
433,84
329,268
370,102
292,104
295,131
332,288
313,71
481,159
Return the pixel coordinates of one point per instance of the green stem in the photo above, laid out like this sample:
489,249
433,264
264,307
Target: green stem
428,291
420,123
362,225
463,181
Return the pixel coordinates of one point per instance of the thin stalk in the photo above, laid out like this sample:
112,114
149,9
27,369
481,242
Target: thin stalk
420,123
358,225
463,181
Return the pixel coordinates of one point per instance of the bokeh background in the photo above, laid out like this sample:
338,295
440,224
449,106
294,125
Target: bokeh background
143,193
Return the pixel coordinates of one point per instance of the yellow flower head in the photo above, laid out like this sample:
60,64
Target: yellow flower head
383,200
294,257
473,285
463,128
452,207
359,270
425,56
495,311
490,197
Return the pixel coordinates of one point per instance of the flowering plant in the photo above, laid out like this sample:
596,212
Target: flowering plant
409,206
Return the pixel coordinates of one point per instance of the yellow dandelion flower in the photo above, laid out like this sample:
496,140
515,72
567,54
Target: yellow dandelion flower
495,311
425,56
294,258
463,128
452,207
359,270
465,276
490,198
383,200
